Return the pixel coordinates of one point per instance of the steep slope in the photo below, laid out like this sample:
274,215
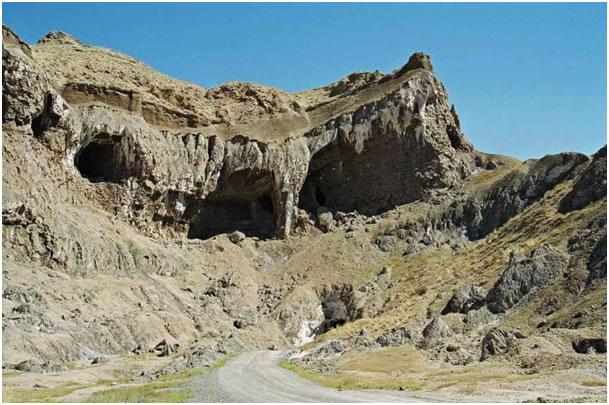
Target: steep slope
139,209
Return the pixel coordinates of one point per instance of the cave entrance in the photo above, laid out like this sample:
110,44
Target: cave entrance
338,306
377,178
242,202
101,160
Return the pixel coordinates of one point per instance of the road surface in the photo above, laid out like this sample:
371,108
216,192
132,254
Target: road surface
257,377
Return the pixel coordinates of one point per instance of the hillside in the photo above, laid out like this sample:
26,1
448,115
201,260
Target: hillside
152,228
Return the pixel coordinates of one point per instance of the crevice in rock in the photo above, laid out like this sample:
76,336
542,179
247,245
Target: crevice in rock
244,201
46,119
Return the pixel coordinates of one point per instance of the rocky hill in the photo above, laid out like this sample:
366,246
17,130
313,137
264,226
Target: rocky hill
142,213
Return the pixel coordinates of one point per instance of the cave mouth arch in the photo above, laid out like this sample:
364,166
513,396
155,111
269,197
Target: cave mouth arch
100,160
339,306
371,181
244,201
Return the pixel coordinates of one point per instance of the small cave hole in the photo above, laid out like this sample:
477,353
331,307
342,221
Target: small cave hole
585,346
338,306
253,218
100,160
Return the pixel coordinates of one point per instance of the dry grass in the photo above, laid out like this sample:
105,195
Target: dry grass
594,382
395,367
487,177
169,388
41,395
439,272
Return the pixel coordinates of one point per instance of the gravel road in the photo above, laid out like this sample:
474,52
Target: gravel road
256,377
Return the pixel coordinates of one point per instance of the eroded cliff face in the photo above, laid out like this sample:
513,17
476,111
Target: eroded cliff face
122,188
394,141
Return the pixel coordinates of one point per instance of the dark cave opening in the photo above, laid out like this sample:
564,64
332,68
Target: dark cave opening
100,160
243,202
343,179
335,314
338,306
320,196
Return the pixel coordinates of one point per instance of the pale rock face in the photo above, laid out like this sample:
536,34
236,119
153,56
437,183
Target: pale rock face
306,334
300,314
337,161
385,141
525,274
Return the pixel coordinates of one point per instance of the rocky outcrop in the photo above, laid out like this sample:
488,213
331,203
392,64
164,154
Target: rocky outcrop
525,274
110,168
495,342
397,336
590,186
478,318
209,184
418,60
86,94
436,329
10,39
488,210
299,314
24,86
465,299
59,37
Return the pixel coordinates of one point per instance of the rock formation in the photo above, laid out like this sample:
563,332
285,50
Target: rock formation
145,214
211,179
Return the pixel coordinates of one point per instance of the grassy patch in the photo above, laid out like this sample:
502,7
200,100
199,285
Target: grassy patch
594,382
6,374
40,395
344,381
488,177
141,393
169,388
404,366
469,389
220,363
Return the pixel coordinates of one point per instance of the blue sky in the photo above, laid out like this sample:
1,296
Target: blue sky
527,79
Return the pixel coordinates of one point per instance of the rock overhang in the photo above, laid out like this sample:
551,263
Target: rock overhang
384,144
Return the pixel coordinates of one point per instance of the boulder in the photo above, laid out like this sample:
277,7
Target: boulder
99,360
236,237
590,346
385,272
329,349
398,336
29,366
465,299
436,329
325,218
525,274
164,349
497,342
478,318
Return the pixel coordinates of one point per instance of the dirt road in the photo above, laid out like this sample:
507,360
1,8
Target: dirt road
257,377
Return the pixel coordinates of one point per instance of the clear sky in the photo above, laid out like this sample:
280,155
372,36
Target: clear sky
527,79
